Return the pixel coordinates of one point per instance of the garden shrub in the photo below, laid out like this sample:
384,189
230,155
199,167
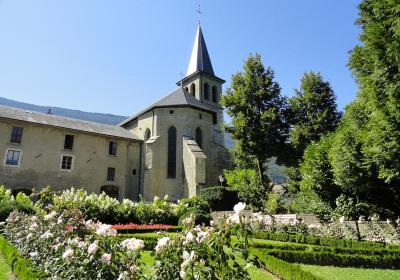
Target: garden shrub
220,198
324,241
283,269
196,206
340,260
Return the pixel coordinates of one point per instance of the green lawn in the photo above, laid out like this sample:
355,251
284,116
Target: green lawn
347,273
4,269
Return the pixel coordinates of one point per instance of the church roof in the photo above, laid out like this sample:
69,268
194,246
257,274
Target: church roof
12,113
199,60
178,98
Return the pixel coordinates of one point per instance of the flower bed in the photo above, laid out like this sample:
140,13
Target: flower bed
139,228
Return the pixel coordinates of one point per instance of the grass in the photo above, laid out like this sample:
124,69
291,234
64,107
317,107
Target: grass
5,270
347,273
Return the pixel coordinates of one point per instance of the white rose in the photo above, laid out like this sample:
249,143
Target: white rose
67,254
92,249
239,208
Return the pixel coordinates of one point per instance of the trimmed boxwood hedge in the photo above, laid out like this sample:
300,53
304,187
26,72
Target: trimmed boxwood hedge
147,230
220,198
340,260
323,241
335,250
283,269
23,268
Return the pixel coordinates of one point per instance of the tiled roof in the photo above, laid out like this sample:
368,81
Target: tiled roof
64,122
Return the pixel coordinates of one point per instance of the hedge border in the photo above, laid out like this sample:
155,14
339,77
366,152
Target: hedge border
283,269
23,268
322,241
338,260
148,230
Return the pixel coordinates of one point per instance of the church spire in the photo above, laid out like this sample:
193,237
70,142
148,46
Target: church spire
199,60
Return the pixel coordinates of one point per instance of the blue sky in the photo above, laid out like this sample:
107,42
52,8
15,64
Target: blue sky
120,56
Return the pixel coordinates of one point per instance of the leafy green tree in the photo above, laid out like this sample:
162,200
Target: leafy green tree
257,109
248,185
364,154
313,111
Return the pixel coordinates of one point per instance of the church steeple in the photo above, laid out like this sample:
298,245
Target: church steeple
200,80
199,60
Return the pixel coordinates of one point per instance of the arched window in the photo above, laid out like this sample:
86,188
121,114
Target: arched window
171,171
199,137
186,89
206,91
193,89
110,190
214,94
147,135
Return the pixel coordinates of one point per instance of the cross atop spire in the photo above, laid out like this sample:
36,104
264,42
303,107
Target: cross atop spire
200,60
198,13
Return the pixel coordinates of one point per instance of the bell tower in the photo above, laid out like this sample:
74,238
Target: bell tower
200,80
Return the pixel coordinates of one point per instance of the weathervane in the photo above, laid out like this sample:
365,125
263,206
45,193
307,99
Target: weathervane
199,13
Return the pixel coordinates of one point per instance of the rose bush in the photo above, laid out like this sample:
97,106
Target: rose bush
66,246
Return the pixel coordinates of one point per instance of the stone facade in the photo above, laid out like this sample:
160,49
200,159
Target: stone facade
41,151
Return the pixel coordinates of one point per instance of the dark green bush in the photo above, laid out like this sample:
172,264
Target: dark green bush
220,198
283,269
340,260
324,241
196,206
147,230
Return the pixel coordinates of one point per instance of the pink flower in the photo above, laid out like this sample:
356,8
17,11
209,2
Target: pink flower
92,249
106,258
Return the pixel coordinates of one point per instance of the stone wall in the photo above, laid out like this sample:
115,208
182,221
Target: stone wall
42,148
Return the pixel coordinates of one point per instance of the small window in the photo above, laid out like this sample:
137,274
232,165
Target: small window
214,116
16,135
199,137
200,116
214,94
112,148
206,91
133,171
68,142
66,163
193,89
13,157
171,112
147,135
110,174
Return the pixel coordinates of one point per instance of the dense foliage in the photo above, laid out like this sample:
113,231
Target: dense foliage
257,109
362,159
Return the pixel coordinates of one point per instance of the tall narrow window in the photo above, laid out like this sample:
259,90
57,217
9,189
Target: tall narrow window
171,172
199,137
66,162
193,89
214,94
16,135
112,148
147,135
111,174
68,142
13,157
206,91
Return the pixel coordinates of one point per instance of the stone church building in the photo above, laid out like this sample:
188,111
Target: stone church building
175,146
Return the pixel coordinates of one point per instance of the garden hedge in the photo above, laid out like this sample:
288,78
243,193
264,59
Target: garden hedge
148,230
220,198
283,269
23,268
339,260
263,244
323,241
